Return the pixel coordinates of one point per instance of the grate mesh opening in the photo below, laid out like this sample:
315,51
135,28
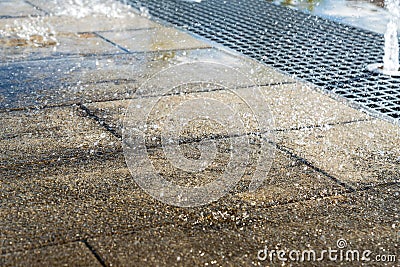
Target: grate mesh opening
326,53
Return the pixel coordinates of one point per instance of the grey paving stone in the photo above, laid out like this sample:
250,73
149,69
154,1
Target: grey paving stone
156,39
72,254
105,77
234,236
50,134
98,23
299,105
361,153
69,80
63,176
291,106
16,8
56,36
68,44
83,194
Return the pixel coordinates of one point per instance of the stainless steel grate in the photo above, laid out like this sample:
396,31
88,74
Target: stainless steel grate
328,54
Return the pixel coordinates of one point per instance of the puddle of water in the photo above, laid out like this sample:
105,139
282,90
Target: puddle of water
366,14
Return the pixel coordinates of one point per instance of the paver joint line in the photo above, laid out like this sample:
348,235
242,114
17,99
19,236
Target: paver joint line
36,7
322,125
112,43
101,122
306,162
94,252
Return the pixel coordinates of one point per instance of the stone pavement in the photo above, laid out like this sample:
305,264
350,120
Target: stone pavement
68,198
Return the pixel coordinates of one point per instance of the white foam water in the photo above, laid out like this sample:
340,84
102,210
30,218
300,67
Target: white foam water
391,57
33,31
83,8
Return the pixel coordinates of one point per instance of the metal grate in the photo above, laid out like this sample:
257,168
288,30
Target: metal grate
328,54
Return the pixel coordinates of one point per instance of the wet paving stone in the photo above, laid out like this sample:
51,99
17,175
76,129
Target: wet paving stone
64,81
365,220
72,254
80,196
72,80
67,196
99,23
64,45
50,135
61,36
156,39
291,106
17,8
300,106
360,153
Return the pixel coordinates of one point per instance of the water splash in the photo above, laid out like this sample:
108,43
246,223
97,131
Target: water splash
32,32
391,57
83,8
144,12
37,31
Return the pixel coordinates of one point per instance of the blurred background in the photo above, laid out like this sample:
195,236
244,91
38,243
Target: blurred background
367,14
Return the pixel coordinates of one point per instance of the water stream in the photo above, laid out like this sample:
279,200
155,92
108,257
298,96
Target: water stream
391,57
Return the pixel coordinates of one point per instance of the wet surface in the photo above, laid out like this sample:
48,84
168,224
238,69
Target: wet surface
331,55
77,79
50,135
67,196
233,235
66,255
68,44
157,39
289,104
89,196
18,8
361,156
